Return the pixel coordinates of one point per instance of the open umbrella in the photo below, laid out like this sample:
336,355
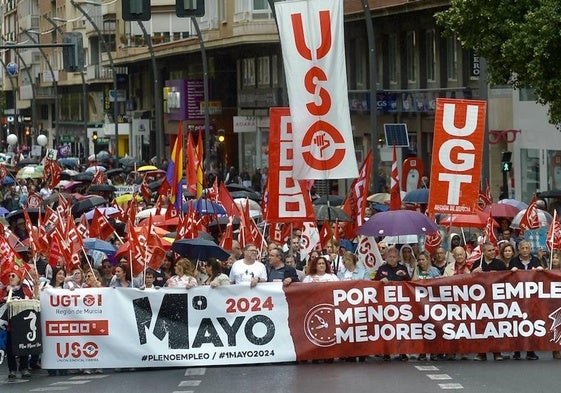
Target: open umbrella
86,205
84,177
99,245
27,161
201,235
113,172
475,220
379,197
146,168
199,249
102,188
253,205
501,210
245,194
333,200
204,206
238,187
330,213
417,196
544,218
30,172
107,211
122,199
397,223
513,202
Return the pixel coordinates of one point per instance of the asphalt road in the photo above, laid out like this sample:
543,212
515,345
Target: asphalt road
374,375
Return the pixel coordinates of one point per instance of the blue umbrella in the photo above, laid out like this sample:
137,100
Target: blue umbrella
8,181
3,211
417,196
99,245
199,249
204,206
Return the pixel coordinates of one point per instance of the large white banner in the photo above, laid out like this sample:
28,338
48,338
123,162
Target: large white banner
128,327
311,35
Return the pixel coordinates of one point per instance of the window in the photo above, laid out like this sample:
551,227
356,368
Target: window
275,70
361,64
248,72
452,58
263,76
411,48
260,5
431,55
222,11
393,58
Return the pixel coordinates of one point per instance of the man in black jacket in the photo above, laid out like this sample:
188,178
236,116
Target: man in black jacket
277,270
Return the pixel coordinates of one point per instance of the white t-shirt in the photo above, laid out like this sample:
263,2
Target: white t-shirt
241,272
323,278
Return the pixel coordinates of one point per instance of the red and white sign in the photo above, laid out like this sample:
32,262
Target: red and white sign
311,35
288,199
130,327
459,127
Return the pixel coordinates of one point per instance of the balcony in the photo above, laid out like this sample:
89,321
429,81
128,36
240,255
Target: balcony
98,72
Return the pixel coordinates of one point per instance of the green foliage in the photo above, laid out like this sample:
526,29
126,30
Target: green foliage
520,39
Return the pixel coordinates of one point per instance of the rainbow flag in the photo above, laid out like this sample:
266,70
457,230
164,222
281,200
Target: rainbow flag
175,169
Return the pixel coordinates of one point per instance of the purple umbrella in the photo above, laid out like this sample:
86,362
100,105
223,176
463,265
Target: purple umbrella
398,223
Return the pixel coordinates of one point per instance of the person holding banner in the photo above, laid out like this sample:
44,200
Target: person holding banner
184,275
319,270
525,261
488,263
555,265
248,270
17,290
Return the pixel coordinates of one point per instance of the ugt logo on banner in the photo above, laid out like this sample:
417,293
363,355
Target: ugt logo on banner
459,128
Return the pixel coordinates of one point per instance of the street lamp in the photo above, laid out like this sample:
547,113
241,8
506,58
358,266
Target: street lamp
35,40
14,89
111,64
12,139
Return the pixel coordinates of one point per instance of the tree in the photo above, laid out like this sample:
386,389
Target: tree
520,39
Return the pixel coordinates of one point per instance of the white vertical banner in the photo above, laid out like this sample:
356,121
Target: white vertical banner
311,35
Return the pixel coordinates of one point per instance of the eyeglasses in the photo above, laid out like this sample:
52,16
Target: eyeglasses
12,275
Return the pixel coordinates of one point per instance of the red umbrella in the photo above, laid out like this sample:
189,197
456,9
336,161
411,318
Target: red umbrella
501,210
475,220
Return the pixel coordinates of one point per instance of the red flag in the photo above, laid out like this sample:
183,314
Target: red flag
553,240
433,241
199,164
395,201
7,256
99,178
325,234
145,191
100,228
355,204
489,234
249,232
226,200
136,250
83,228
228,235
530,218
187,228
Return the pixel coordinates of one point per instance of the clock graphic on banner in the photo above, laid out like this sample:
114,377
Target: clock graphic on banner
319,325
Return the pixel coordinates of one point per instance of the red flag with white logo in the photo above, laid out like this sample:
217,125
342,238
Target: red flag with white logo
530,219
554,234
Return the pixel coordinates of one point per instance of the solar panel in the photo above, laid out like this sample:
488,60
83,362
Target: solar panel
396,134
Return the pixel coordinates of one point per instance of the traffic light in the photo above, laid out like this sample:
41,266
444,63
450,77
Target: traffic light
134,10
186,8
221,134
506,164
94,137
73,55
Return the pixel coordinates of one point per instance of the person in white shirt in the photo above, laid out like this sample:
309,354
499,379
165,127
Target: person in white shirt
248,269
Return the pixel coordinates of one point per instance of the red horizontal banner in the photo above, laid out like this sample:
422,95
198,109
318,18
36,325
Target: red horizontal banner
492,312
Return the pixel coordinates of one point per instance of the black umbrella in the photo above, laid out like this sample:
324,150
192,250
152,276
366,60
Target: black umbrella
199,249
222,221
330,213
202,235
246,194
69,162
238,187
155,185
27,161
333,200
87,204
101,188
84,176
113,172
15,214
